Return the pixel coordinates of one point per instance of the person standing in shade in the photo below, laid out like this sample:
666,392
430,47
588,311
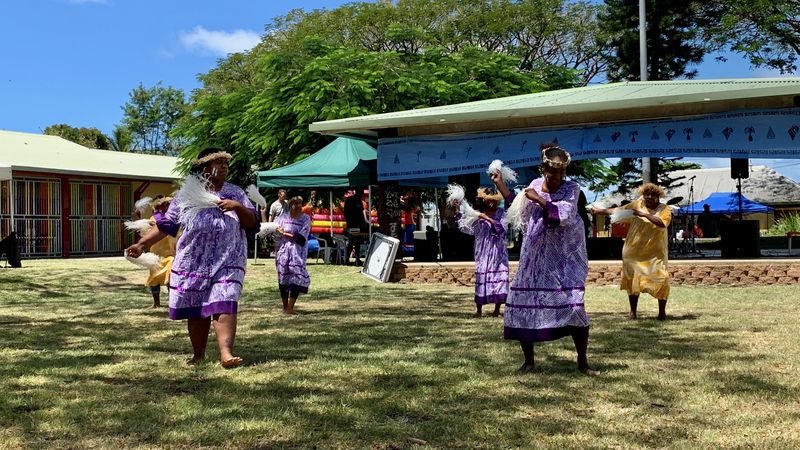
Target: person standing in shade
355,216
277,208
291,250
644,255
210,259
707,222
545,301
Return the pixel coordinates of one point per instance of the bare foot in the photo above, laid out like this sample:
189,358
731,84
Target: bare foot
495,314
289,312
589,370
477,315
525,368
661,317
233,361
632,316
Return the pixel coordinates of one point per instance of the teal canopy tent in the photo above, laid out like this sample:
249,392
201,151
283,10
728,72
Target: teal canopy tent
342,163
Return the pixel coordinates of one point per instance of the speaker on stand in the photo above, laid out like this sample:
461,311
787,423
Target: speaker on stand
740,168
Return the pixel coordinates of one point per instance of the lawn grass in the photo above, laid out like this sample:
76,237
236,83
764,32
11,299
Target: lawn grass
85,364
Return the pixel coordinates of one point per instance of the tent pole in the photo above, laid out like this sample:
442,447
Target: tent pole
330,211
369,210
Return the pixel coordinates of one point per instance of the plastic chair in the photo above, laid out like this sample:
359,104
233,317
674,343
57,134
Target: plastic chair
341,248
325,250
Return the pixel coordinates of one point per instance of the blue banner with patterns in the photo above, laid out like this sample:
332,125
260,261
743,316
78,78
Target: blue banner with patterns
744,134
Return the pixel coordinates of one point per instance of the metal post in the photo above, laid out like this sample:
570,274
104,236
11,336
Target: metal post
255,252
330,212
647,163
369,211
739,191
11,201
642,42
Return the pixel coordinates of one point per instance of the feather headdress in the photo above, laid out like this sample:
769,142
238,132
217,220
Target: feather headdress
142,203
147,260
255,196
138,226
506,173
194,197
267,228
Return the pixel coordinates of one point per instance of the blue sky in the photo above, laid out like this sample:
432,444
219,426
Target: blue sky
76,61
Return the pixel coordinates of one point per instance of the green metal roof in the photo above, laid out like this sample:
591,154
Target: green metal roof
53,154
342,163
592,104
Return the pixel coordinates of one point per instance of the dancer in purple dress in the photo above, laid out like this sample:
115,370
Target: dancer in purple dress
491,254
291,249
546,297
209,266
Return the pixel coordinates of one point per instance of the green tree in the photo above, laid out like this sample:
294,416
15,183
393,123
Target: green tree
365,58
627,174
674,44
121,139
674,41
150,116
766,32
539,33
88,137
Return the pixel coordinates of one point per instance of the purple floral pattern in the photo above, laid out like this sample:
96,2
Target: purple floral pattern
209,266
491,259
546,297
290,256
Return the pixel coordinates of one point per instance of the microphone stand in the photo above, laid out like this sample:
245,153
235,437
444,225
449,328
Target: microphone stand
693,220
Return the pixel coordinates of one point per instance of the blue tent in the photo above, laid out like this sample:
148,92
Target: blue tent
725,203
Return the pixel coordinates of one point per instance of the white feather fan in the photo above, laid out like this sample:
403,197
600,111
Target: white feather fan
255,196
147,260
138,226
143,203
455,193
507,173
515,211
267,228
194,197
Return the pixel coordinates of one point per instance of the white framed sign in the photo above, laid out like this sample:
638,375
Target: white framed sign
380,257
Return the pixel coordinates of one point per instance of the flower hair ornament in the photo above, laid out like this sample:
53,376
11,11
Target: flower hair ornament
555,164
211,157
484,194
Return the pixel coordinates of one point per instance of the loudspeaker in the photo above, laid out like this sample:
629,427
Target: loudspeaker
739,239
740,168
604,248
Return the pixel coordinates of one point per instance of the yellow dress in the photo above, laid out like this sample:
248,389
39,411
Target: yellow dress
164,248
644,256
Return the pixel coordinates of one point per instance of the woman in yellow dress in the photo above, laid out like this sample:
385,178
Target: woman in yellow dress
644,255
165,248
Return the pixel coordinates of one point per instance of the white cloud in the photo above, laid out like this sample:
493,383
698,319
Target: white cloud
219,42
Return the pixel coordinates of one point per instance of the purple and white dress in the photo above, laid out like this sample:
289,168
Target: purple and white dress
210,258
290,254
546,297
491,259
